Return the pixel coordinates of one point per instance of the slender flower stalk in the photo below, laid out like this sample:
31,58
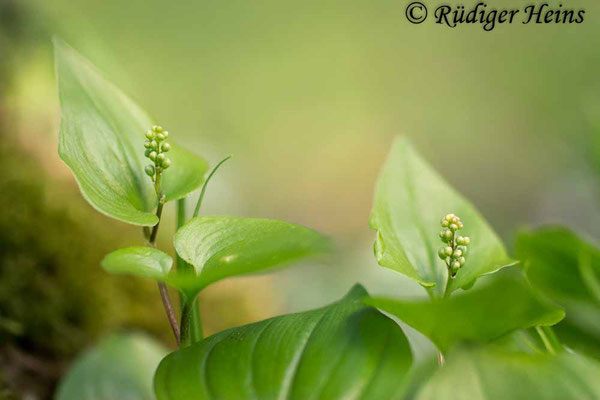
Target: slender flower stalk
156,147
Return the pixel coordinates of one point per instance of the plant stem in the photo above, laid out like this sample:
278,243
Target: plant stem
162,288
191,322
549,339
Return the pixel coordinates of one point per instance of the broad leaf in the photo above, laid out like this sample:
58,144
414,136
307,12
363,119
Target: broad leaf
219,247
139,261
481,315
119,367
343,351
101,140
492,374
410,200
566,269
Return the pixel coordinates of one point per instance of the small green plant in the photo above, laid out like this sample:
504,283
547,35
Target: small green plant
483,315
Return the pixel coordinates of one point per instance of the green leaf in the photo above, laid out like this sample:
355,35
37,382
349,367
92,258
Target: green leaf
139,261
219,247
119,367
343,351
480,374
101,140
566,269
410,200
481,315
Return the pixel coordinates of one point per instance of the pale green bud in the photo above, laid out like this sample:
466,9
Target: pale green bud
166,163
449,217
152,155
157,128
462,261
460,225
463,249
455,266
149,170
453,227
448,250
160,158
445,223
147,144
442,253
160,137
455,220
165,134
165,147
149,135
457,254
467,240
147,152
460,240
153,145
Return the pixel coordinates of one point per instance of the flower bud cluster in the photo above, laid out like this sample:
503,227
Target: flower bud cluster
156,147
455,251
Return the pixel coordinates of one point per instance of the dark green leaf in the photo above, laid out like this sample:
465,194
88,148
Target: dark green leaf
566,269
120,367
221,247
343,351
482,314
410,200
139,261
482,374
101,140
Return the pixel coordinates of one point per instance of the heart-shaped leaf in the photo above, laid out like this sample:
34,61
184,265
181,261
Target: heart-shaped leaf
482,314
566,269
410,200
493,374
139,261
101,140
343,351
119,367
219,247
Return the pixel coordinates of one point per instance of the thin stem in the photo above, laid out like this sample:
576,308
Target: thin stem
162,288
549,339
203,191
164,295
186,319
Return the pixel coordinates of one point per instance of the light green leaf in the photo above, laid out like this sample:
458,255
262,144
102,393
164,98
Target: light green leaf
101,140
219,247
566,269
480,315
119,367
493,374
410,201
139,261
343,351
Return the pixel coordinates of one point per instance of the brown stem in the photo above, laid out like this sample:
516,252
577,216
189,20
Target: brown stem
164,295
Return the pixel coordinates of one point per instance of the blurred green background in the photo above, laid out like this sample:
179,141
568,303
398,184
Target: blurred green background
307,97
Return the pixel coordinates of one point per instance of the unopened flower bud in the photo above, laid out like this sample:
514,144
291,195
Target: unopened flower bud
152,155
149,170
449,217
160,137
160,158
147,144
448,250
463,249
147,152
460,240
445,223
467,240
149,135
165,147
166,163
157,128
455,266
442,253
153,144
165,134
457,254
460,225
462,261
453,227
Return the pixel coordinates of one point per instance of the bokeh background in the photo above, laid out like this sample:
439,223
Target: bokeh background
307,96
